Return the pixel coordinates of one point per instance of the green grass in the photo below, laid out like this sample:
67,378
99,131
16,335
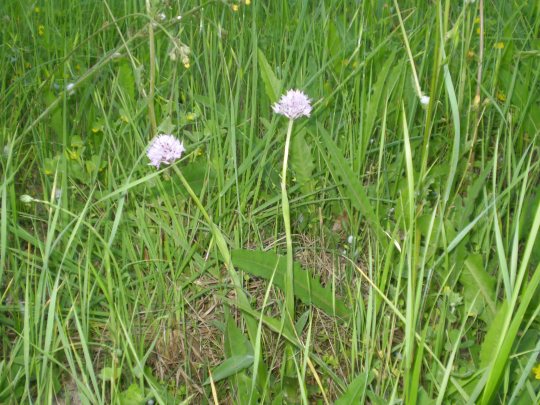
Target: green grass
414,227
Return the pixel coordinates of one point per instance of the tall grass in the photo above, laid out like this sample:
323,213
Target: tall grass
414,226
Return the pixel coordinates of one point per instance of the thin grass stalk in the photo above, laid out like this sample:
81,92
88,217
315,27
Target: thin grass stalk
152,56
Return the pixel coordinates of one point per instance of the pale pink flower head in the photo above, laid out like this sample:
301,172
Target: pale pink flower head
293,105
164,149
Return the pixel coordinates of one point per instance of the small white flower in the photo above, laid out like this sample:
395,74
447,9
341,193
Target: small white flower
350,239
162,17
424,100
164,149
293,105
25,198
178,17
70,87
116,55
172,54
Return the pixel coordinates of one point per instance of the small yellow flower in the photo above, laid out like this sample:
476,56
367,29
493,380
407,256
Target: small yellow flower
191,116
187,65
37,10
536,371
41,30
73,154
477,20
98,127
248,2
499,45
501,96
235,7
476,102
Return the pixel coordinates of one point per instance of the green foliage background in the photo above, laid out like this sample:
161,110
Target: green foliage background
415,227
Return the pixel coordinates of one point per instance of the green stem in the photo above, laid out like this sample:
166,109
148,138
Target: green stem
152,50
289,278
409,53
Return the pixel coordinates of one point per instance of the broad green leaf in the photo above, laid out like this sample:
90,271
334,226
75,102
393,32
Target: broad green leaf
306,288
56,115
302,162
491,341
166,126
126,81
529,209
108,373
237,345
355,391
478,279
382,85
349,182
230,366
470,201
197,174
132,396
272,84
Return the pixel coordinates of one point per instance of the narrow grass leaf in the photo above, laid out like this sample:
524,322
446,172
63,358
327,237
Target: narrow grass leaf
449,85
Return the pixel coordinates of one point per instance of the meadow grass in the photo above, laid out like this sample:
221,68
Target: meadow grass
414,221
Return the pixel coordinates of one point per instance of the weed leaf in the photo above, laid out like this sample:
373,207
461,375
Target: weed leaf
348,182
230,366
302,162
308,289
272,84
355,391
491,341
476,278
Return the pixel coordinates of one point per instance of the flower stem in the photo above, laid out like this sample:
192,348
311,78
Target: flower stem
289,277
